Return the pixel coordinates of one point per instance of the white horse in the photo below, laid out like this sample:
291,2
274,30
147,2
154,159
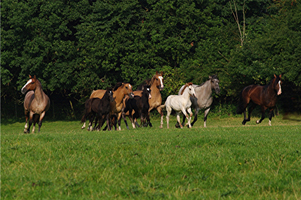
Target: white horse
180,103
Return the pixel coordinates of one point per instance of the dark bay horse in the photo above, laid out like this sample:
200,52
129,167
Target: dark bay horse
203,98
265,96
99,108
119,92
156,85
140,106
36,103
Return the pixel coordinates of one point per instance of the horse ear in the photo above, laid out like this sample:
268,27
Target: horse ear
29,76
280,76
161,73
34,77
274,75
210,77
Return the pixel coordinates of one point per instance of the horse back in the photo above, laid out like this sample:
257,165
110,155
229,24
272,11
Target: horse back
254,93
97,94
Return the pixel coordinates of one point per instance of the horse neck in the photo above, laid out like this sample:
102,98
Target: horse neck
38,92
154,90
270,90
118,98
207,90
186,94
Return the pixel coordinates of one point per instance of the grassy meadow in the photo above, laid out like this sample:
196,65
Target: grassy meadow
223,161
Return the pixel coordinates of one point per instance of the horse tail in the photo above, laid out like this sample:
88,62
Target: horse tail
162,106
240,107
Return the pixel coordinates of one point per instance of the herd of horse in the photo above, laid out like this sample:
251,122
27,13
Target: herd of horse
121,101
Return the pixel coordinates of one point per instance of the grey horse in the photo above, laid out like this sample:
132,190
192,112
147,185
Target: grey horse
204,97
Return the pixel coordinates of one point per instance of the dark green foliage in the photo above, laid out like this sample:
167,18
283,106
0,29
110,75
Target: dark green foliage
74,47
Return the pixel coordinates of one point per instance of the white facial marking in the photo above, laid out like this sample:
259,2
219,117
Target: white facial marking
161,81
29,81
130,86
279,84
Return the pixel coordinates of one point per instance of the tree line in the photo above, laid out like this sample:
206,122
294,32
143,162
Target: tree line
76,46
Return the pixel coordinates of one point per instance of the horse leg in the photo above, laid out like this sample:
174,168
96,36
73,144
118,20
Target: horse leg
84,125
270,116
159,109
185,115
42,115
168,109
190,115
263,108
35,119
136,116
108,121
30,121
118,120
26,121
124,119
205,117
147,120
178,124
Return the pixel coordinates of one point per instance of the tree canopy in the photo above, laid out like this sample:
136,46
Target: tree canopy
76,46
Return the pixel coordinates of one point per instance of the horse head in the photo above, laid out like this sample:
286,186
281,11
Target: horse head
148,91
30,85
191,90
128,89
158,80
215,83
110,93
277,82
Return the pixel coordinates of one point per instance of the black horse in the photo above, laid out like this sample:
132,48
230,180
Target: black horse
99,108
265,96
140,105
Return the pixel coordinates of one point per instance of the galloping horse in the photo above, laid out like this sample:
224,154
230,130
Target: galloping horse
156,85
99,108
119,92
180,103
36,103
204,97
265,96
140,106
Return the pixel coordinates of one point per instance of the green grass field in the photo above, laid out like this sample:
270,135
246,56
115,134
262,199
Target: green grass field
223,161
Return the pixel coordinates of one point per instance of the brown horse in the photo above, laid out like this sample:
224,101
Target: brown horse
36,103
119,92
156,85
265,96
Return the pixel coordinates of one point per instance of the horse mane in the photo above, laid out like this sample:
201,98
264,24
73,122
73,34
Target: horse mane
186,85
117,86
214,76
271,82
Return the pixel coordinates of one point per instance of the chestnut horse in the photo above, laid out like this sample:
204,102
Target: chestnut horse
36,103
156,85
119,92
265,96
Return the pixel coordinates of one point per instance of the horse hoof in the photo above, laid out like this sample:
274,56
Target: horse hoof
150,125
257,122
177,126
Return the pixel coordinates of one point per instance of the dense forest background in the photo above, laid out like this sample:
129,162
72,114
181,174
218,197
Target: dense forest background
76,46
